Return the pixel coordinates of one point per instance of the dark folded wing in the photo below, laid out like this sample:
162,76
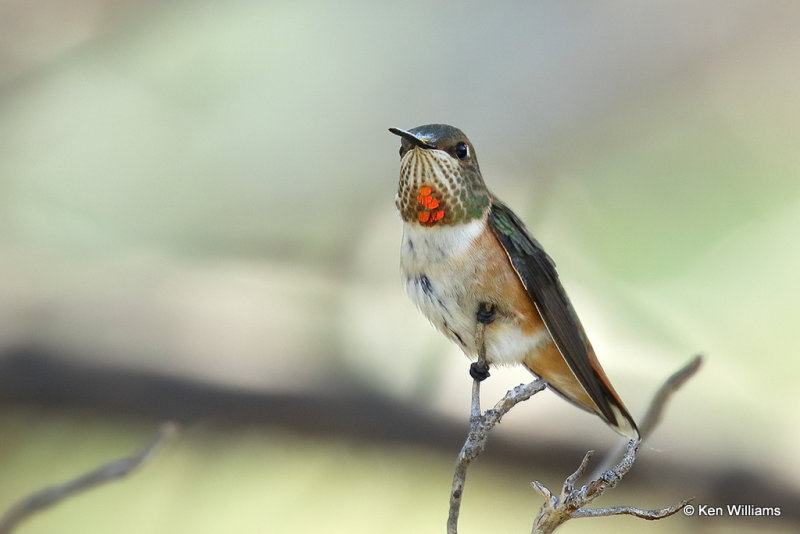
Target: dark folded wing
538,274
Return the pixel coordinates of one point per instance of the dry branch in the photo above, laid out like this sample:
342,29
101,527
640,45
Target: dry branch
571,503
481,424
557,510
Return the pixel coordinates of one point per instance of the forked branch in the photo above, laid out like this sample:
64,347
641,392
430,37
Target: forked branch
571,503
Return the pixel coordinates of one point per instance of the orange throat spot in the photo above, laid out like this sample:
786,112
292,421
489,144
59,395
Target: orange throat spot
429,212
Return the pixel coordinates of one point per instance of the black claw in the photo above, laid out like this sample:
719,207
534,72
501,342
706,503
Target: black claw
479,372
485,313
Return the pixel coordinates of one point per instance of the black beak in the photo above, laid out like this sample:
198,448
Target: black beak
411,137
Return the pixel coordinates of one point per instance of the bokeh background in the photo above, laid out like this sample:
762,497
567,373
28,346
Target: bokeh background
197,224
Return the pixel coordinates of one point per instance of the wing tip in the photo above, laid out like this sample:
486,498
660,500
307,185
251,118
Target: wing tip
624,423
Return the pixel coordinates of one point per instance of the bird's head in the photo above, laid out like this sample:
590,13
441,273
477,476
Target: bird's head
440,181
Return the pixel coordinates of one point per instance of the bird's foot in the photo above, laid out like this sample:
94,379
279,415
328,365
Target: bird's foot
478,371
485,313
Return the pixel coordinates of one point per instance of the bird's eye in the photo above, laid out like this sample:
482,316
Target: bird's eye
462,150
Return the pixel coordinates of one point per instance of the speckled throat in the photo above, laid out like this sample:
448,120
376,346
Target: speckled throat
435,189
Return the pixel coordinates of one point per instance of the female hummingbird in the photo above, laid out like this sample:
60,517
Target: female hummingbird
466,257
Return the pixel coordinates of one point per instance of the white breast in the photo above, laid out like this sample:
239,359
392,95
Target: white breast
441,272
436,246
432,264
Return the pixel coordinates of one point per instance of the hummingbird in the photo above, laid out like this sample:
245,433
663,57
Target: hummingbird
466,259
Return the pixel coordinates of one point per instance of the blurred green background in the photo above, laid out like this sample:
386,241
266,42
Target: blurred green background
197,224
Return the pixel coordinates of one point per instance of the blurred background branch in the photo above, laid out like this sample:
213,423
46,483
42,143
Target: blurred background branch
52,495
655,410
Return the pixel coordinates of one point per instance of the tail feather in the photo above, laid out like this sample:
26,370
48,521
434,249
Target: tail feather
549,365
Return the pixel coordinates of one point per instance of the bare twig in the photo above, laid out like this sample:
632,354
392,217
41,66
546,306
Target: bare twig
569,482
650,515
479,428
556,510
111,471
480,424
